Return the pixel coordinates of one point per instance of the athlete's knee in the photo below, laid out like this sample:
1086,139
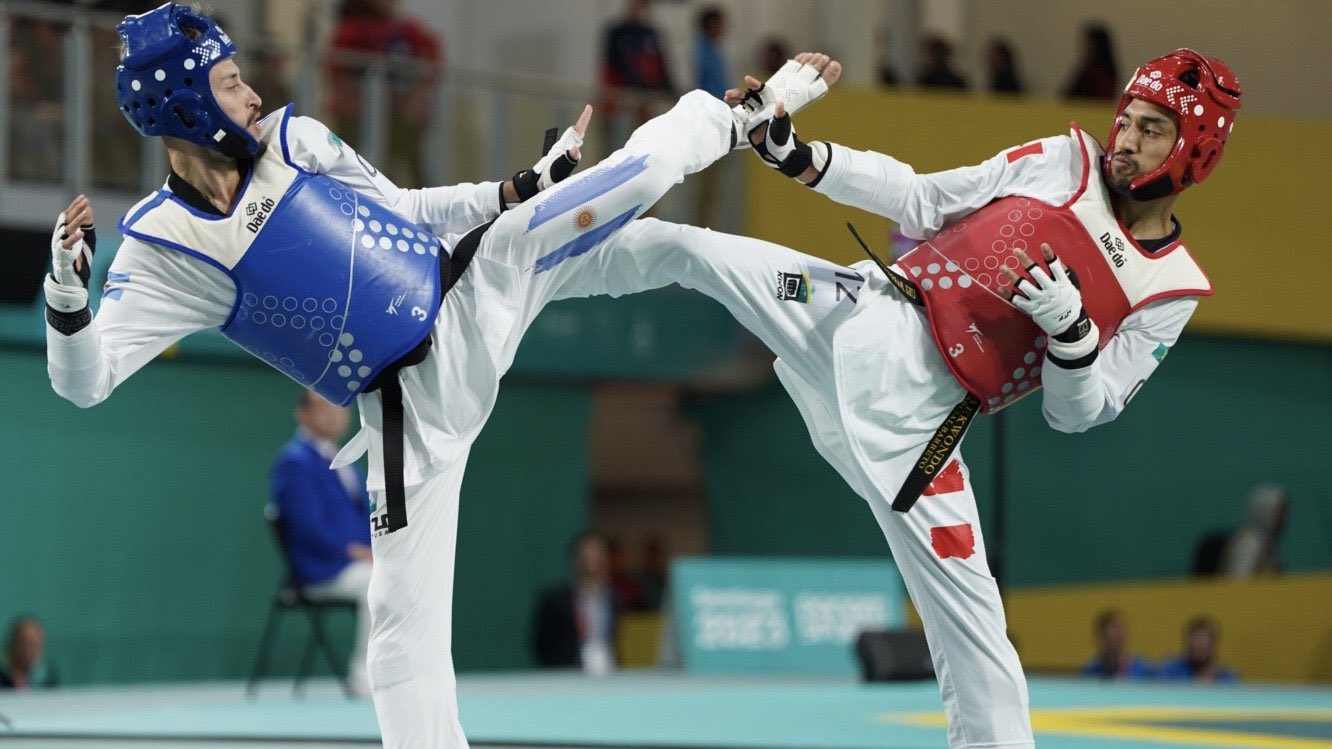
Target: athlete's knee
662,249
388,662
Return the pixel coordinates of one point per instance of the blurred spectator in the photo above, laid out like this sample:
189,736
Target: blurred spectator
290,36
773,53
37,90
710,72
622,579
1113,660
1097,76
1198,662
887,74
633,62
1252,550
324,514
268,62
370,37
936,70
653,573
574,622
1001,64
24,666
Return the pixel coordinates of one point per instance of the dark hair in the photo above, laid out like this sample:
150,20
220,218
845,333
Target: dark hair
709,15
938,47
1102,53
1105,617
1200,623
15,624
357,9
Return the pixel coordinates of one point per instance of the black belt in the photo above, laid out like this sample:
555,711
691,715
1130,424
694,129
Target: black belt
949,434
390,388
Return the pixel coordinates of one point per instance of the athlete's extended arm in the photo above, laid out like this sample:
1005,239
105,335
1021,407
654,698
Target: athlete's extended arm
449,209
921,204
153,298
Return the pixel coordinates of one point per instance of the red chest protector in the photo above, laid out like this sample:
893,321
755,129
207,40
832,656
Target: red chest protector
993,348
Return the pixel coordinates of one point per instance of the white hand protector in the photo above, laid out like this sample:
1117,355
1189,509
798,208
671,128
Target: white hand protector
1055,304
557,163
795,84
67,285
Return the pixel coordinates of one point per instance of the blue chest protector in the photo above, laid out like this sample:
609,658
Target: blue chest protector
331,287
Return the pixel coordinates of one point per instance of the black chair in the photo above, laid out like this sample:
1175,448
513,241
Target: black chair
290,597
1210,554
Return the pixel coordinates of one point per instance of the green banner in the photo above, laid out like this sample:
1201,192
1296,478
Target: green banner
781,615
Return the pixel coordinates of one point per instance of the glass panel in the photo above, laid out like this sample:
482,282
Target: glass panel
116,147
406,80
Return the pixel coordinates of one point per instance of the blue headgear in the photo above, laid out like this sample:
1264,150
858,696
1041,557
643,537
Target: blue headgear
162,84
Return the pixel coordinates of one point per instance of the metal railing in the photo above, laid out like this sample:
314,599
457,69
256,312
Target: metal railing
61,132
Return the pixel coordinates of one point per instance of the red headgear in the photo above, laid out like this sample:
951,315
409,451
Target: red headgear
1204,93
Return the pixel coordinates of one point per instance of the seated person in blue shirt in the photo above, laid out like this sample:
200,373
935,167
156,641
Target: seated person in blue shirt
1113,659
1198,662
325,519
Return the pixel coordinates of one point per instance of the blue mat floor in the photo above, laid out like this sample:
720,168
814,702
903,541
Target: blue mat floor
653,709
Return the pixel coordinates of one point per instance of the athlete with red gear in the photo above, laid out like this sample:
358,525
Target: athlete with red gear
888,364
1003,326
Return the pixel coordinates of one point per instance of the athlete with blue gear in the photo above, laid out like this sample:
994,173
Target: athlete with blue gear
412,302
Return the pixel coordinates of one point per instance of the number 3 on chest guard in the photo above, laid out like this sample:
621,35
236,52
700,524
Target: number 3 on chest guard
956,350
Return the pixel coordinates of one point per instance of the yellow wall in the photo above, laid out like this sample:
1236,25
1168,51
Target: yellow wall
1272,629
1275,629
1257,225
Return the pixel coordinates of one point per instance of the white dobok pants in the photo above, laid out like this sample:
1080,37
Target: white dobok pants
524,263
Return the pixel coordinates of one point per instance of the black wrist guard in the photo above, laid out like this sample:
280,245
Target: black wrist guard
1078,330
1077,351
68,323
800,159
525,184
